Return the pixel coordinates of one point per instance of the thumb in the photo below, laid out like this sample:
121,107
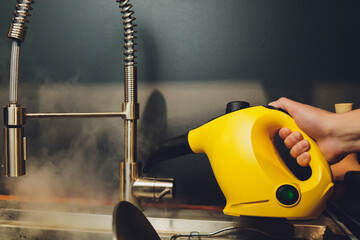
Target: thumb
285,104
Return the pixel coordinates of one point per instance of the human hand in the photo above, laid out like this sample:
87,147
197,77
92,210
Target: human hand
297,144
318,124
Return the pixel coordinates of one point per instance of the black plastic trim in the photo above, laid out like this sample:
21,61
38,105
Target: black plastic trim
171,148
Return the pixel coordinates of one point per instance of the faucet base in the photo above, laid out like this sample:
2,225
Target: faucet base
129,171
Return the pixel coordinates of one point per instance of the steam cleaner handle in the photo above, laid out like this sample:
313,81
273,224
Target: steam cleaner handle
261,122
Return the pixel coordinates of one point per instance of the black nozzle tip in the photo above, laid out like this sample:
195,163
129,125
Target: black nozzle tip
171,148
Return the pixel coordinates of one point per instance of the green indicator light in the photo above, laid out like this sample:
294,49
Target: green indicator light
287,194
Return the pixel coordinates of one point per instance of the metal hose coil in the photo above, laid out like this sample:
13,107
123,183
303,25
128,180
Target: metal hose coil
17,28
129,32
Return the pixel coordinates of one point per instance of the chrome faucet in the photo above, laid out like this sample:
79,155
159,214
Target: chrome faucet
131,185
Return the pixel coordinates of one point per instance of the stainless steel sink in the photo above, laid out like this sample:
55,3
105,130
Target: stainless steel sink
95,223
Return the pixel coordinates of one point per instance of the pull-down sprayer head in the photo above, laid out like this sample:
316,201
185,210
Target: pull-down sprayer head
15,142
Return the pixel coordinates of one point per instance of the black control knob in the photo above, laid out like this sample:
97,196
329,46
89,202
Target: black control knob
236,105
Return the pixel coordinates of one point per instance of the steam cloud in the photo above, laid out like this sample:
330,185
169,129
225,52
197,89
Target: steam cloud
74,158
72,164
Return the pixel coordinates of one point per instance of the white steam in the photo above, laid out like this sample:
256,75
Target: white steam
73,158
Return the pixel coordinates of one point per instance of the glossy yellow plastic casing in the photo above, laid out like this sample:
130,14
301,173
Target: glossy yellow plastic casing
249,169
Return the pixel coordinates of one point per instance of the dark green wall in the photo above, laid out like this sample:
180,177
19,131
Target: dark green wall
185,40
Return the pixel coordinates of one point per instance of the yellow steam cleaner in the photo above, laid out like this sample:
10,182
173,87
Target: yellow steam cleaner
256,177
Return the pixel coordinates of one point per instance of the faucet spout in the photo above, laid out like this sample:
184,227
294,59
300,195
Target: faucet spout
14,115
